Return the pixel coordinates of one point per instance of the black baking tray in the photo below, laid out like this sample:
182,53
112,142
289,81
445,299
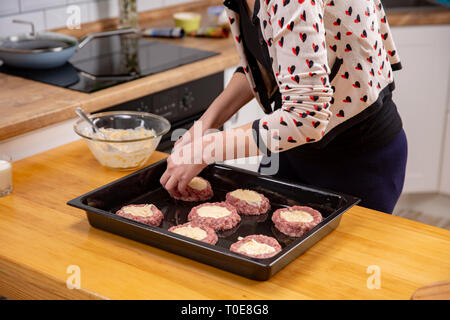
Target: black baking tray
143,187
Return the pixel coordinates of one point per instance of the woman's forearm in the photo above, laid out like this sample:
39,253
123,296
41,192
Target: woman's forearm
234,143
234,96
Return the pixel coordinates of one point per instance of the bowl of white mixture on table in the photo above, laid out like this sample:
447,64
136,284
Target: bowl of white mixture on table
126,139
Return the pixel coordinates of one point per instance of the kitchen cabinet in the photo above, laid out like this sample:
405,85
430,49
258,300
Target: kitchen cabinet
421,96
39,140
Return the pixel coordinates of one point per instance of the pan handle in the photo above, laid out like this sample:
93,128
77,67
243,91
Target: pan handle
105,34
106,78
33,30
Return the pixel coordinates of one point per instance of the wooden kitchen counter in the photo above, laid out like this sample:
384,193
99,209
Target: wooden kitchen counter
27,105
41,237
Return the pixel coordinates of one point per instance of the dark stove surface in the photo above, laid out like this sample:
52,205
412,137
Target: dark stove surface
105,62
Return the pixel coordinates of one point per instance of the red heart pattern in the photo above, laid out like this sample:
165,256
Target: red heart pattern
297,33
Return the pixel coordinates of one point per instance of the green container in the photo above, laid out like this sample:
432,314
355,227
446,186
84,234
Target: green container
189,21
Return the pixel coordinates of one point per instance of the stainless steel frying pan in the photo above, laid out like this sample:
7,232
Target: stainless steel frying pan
44,50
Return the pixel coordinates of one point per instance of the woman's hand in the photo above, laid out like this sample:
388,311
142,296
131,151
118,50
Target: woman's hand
189,160
181,168
236,95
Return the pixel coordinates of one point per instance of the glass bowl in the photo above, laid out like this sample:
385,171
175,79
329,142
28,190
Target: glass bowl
129,137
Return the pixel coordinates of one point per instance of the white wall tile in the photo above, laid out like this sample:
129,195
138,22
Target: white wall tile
57,18
80,1
145,5
175,2
28,5
51,14
7,28
103,9
9,7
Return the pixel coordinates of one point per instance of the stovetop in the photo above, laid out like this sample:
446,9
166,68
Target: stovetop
105,62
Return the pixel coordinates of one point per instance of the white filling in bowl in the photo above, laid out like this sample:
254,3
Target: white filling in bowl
126,139
124,154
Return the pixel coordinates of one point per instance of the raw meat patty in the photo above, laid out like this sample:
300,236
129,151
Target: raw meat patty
296,220
144,213
196,231
217,215
198,189
257,246
248,201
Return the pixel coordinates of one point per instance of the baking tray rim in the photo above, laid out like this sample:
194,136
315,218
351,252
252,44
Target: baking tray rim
351,201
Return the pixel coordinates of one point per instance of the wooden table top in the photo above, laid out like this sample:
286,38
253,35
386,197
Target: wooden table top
41,237
28,105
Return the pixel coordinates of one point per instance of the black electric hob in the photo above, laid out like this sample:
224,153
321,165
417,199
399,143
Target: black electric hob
108,61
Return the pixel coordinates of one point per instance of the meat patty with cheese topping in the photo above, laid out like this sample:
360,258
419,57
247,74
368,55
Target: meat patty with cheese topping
198,189
248,201
196,231
257,246
296,220
217,215
144,213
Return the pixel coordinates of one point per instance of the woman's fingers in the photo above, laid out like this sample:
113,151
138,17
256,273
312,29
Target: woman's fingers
164,178
182,184
171,185
179,173
169,179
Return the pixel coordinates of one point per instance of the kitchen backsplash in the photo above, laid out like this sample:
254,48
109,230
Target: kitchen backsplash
50,14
